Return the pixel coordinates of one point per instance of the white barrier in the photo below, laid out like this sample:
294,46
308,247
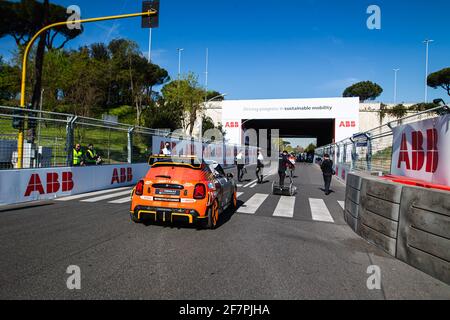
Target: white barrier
47,183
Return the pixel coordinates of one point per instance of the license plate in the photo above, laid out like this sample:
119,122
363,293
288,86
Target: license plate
166,199
168,192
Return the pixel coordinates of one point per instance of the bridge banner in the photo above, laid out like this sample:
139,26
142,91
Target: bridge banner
421,150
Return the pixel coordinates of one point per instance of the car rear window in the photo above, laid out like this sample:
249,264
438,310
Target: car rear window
192,162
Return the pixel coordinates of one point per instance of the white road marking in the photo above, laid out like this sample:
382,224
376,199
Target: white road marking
121,200
319,210
239,185
250,183
285,207
238,194
342,204
253,185
84,195
108,196
253,203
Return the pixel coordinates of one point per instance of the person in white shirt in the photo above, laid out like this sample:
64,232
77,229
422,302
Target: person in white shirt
166,150
259,167
240,165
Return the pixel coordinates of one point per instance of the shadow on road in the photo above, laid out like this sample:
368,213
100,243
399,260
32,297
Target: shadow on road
224,217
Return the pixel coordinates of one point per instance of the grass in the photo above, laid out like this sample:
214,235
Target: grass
109,143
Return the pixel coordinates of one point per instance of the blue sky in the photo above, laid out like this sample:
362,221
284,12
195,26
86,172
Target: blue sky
286,48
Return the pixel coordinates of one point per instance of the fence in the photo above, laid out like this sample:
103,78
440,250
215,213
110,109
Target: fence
371,150
49,138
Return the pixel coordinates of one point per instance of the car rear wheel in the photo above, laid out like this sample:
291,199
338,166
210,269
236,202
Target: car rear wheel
134,219
213,215
234,200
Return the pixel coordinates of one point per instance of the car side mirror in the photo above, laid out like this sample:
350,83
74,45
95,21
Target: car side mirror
230,176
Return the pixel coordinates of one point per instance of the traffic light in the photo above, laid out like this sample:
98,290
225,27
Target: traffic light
17,119
153,20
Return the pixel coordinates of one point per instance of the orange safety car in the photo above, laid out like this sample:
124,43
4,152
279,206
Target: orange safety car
183,188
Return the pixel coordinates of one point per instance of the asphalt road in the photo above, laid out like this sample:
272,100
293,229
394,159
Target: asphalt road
280,248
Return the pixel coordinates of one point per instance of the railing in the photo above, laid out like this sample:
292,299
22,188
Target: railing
371,150
49,138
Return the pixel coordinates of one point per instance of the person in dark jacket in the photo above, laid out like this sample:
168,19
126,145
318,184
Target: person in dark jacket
283,164
327,171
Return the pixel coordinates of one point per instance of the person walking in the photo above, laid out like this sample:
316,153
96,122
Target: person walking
327,171
259,167
291,159
240,165
283,164
166,150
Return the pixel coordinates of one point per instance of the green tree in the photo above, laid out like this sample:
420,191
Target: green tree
133,77
365,90
398,111
210,94
23,19
162,115
310,148
186,96
441,79
9,81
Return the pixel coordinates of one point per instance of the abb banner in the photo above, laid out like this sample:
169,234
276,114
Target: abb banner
421,150
37,184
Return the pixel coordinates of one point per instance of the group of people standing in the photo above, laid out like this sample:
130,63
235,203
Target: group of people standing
286,165
87,158
240,164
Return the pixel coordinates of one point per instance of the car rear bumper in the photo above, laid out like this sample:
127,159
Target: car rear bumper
163,214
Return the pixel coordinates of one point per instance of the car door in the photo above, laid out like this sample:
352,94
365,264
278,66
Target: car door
227,185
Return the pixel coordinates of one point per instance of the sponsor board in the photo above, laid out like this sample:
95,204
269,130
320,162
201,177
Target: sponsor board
421,150
48,183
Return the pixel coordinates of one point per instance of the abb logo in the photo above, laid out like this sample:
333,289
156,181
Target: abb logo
418,154
53,185
347,124
232,124
126,175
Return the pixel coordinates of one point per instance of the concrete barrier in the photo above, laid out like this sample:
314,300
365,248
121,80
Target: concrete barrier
379,213
424,231
352,200
410,223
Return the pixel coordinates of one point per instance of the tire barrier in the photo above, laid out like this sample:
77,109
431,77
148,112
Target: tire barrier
379,212
424,231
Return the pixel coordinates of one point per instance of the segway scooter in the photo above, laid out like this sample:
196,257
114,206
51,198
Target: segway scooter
287,190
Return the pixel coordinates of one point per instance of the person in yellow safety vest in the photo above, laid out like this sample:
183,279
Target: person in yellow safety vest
77,156
91,157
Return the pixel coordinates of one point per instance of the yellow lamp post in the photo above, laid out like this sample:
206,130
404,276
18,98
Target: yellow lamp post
25,59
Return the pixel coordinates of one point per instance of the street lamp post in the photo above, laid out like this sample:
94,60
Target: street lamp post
206,75
27,51
150,45
179,62
395,85
427,42
201,119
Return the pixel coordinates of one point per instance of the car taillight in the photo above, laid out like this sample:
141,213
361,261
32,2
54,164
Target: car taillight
199,191
139,190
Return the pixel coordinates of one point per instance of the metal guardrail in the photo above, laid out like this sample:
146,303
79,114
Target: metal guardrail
371,150
49,138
